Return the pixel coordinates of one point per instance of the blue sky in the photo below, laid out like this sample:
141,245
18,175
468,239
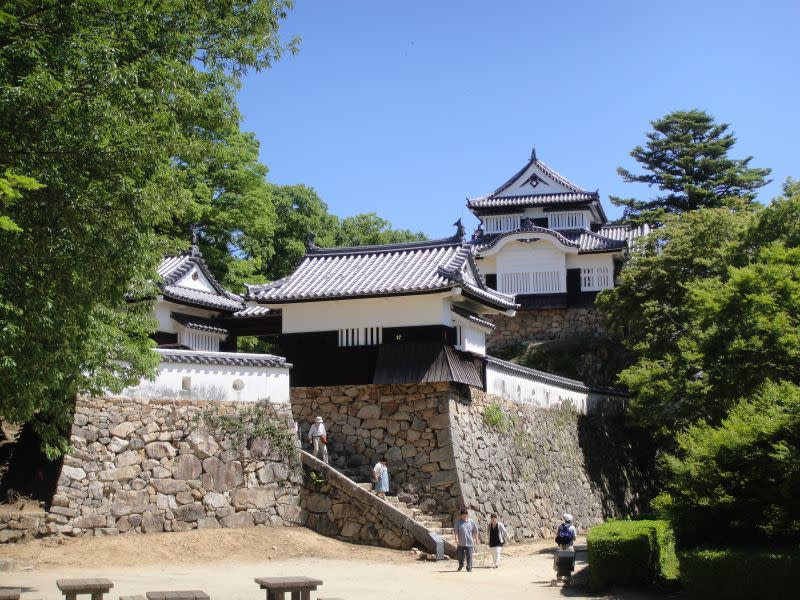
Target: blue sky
406,108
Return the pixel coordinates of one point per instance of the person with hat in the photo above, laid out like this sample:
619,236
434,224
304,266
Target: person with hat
565,537
319,439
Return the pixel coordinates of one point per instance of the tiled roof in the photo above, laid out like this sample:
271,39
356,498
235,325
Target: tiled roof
222,358
472,317
624,232
385,270
586,241
201,298
253,311
563,192
589,241
174,268
486,241
198,323
536,375
492,201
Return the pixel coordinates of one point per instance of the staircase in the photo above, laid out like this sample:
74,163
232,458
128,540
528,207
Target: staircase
419,525
434,523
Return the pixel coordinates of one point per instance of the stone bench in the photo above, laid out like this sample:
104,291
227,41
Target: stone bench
72,587
179,595
299,587
10,593
132,598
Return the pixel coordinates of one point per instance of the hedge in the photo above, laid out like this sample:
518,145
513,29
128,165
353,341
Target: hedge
741,574
631,553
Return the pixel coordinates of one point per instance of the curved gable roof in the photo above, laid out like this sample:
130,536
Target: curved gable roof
384,270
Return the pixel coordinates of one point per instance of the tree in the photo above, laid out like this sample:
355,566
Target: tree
11,188
112,106
686,158
738,482
299,211
369,229
712,309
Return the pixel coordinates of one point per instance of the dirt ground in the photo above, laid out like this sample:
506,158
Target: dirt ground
224,563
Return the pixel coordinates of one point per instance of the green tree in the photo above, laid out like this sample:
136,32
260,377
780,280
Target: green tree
299,212
712,309
738,482
369,229
686,159
113,107
11,189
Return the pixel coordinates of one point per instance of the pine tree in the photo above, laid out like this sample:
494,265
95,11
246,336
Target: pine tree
686,158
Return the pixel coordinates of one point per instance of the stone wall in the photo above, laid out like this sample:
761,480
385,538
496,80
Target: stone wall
142,465
409,424
538,463
338,508
442,454
542,324
19,526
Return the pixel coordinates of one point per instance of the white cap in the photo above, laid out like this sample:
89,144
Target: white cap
318,419
567,517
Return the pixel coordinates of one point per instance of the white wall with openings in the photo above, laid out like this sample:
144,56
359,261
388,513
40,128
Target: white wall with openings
214,382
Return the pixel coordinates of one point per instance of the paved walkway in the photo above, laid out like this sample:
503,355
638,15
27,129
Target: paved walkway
525,574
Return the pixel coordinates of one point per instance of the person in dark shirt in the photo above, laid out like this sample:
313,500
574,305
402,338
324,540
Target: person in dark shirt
498,536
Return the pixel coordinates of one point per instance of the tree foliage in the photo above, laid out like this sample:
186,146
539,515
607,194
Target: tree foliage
686,159
738,482
124,113
711,307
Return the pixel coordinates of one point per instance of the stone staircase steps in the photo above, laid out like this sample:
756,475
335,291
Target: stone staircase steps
421,526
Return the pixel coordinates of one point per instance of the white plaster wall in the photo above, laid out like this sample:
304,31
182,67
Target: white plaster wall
518,388
164,308
531,258
200,283
215,382
488,265
551,187
402,311
576,261
474,340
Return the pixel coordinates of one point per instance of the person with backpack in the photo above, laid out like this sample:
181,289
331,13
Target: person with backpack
498,536
565,537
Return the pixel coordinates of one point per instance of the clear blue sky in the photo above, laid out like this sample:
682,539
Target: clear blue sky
406,108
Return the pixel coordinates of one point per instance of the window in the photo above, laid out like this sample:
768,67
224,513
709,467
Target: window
459,336
595,278
501,223
360,336
538,282
566,220
202,342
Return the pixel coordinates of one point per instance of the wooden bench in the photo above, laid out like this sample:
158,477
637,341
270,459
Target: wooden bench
132,598
299,587
96,587
179,595
10,593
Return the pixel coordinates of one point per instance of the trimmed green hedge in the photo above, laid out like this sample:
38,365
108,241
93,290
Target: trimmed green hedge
631,553
741,574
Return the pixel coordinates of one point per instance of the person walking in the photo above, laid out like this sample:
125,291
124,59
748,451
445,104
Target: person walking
467,535
565,537
498,536
319,439
380,477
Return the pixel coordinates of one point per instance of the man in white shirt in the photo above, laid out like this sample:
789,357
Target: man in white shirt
319,439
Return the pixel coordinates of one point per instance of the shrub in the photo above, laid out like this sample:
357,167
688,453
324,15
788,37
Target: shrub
636,553
738,483
496,418
740,574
